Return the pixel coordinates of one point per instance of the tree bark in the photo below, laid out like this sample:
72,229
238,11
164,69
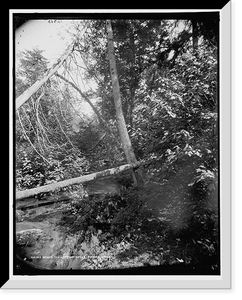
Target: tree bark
194,34
126,143
77,180
124,136
34,88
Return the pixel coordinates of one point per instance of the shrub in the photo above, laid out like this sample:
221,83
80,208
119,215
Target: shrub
107,214
31,171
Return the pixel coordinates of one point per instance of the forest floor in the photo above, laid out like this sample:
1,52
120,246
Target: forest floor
172,231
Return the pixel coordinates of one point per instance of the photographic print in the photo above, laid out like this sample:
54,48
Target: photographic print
116,144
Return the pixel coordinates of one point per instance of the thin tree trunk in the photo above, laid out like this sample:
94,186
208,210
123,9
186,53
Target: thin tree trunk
194,34
131,106
100,118
124,136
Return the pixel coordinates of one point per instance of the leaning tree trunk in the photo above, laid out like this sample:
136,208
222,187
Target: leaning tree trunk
95,110
194,34
124,136
39,83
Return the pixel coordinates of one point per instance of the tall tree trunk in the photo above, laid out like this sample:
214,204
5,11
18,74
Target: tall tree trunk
194,34
131,106
124,136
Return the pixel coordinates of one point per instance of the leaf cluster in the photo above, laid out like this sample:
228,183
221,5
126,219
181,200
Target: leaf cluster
32,172
107,216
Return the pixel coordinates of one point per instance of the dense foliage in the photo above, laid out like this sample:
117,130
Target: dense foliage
168,76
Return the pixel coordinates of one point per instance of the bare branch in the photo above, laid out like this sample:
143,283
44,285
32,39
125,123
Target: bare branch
28,139
100,118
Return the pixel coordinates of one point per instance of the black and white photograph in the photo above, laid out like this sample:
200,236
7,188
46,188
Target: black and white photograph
116,138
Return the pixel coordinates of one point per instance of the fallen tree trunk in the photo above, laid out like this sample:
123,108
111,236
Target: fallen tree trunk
37,203
77,180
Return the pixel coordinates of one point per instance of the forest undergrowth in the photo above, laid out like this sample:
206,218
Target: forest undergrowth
159,224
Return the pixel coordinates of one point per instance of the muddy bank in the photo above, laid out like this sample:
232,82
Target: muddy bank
52,237
42,243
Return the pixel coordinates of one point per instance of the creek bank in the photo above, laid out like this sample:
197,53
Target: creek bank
143,227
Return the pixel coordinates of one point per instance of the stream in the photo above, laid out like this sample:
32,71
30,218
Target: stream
165,237
43,243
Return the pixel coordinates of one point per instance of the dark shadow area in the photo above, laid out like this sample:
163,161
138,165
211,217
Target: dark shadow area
28,269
